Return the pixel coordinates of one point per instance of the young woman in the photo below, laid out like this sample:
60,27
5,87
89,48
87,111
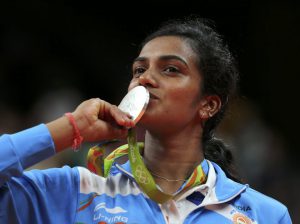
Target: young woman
190,75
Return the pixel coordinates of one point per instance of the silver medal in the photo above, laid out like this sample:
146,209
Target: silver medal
135,102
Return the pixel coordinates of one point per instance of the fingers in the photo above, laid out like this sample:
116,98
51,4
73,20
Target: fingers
113,114
121,118
100,120
109,131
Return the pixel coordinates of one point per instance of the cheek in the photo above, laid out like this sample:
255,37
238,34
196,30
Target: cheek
186,96
186,104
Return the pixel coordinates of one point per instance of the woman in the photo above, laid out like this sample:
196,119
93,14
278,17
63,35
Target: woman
190,76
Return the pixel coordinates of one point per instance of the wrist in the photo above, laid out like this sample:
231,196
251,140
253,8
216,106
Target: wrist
61,132
77,136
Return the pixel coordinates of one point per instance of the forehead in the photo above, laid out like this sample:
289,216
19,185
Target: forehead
168,45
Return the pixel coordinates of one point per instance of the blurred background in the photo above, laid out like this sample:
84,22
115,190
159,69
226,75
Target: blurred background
54,54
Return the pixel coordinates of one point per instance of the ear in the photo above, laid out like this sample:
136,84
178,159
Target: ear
209,106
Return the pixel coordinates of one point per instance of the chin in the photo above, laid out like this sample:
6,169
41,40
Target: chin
151,125
146,122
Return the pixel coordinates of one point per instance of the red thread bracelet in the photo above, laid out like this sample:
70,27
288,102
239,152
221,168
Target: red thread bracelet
77,137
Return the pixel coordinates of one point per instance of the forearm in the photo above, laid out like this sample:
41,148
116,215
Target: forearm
62,133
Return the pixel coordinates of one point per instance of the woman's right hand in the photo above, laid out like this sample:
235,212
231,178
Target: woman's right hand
99,120
95,119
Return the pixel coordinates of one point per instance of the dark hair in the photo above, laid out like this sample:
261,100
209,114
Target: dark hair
220,76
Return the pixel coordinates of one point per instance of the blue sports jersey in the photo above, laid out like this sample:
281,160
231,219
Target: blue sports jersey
75,195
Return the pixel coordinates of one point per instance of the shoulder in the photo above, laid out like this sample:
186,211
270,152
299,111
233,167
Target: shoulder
262,200
248,194
267,208
246,200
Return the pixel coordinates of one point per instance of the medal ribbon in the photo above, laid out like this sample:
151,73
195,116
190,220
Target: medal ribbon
141,173
101,166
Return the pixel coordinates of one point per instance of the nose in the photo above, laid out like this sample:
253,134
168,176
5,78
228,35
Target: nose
147,79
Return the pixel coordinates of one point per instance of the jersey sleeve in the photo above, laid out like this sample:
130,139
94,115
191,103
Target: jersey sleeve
24,149
41,196
36,196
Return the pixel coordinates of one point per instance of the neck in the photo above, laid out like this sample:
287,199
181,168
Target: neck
173,158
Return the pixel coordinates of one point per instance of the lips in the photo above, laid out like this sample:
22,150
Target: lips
152,96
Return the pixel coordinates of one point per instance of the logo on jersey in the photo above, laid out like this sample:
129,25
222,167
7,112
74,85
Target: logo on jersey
114,210
241,219
109,214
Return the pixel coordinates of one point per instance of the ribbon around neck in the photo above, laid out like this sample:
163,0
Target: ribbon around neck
101,166
141,173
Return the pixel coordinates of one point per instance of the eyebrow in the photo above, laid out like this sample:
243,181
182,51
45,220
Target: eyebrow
164,58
